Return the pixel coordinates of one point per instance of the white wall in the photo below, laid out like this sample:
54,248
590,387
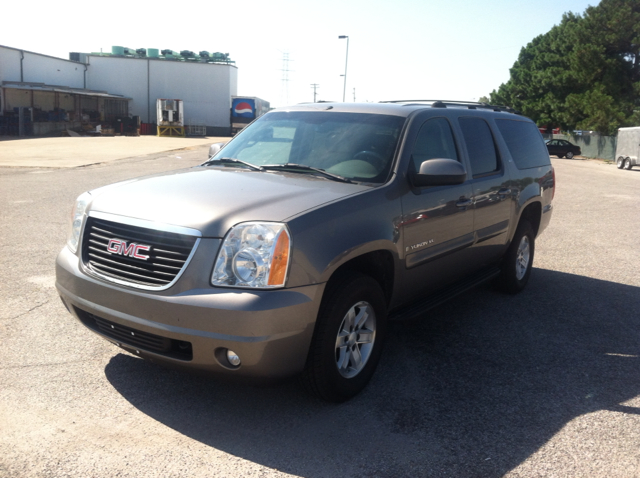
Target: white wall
9,64
52,71
38,68
205,88
121,76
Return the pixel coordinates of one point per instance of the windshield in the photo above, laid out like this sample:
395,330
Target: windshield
355,146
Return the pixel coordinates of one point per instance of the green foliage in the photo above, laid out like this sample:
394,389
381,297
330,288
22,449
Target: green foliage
583,73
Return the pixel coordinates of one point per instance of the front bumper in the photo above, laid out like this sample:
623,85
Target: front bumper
192,324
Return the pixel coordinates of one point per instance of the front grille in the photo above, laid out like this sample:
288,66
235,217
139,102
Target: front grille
137,339
108,250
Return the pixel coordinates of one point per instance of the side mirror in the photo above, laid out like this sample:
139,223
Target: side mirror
439,172
214,148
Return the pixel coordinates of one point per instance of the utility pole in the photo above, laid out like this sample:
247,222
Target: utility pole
315,87
346,62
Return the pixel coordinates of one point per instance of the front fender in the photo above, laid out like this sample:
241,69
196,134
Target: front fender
327,237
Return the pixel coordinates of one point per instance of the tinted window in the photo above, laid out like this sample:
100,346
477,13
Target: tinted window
435,140
480,146
524,142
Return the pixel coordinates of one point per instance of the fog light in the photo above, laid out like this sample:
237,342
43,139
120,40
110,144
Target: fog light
233,358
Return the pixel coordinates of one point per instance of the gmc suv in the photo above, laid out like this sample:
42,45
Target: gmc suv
287,252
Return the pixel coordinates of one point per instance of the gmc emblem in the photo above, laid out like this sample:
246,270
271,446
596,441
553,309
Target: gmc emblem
118,246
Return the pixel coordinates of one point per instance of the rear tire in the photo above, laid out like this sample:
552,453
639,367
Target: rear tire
517,262
620,162
569,155
627,164
348,338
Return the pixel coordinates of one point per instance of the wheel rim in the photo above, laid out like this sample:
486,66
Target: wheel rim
522,258
356,336
620,163
569,155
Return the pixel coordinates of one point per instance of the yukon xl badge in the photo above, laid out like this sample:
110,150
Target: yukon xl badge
422,244
118,246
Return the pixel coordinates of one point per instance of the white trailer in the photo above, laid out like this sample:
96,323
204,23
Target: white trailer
628,147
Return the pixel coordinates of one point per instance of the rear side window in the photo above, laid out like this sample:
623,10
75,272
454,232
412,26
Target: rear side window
524,142
480,145
435,140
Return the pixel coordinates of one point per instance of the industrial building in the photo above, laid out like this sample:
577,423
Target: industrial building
54,94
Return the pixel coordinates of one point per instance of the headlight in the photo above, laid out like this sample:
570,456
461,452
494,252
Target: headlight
254,254
77,218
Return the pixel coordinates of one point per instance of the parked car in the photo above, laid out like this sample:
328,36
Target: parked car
287,252
562,148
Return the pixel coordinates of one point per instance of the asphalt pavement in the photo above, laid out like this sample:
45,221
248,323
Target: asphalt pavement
545,383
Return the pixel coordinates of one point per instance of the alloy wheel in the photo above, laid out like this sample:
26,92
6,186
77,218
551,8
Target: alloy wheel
355,339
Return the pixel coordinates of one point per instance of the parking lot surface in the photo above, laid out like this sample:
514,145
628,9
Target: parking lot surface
545,383
66,152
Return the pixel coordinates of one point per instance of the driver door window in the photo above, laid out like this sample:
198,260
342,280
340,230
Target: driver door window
435,140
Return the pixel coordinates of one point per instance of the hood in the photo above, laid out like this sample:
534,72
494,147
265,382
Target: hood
213,199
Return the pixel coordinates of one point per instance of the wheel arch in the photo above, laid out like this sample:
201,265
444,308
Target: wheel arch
378,264
532,212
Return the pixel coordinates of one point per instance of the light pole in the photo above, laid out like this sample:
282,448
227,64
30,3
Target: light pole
346,62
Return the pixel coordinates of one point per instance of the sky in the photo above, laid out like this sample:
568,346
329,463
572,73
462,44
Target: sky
405,49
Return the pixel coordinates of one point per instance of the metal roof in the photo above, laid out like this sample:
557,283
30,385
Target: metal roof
17,85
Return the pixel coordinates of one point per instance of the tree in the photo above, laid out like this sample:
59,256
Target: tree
582,74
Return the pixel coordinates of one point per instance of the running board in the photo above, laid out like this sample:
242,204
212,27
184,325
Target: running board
442,295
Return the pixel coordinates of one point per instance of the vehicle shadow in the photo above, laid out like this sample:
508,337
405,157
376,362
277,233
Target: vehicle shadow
473,390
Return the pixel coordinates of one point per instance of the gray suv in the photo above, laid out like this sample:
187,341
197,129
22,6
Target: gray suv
287,252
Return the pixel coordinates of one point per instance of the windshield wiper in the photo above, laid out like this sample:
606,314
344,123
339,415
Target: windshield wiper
303,167
252,167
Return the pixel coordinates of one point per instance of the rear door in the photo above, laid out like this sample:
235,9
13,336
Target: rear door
492,193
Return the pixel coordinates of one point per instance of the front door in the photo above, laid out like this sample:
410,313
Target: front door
437,223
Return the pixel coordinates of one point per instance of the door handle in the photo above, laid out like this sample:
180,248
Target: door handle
464,202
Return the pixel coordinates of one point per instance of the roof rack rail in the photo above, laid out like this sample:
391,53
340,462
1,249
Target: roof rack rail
472,105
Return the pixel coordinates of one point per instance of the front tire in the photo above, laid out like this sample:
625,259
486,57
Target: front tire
348,339
620,162
627,164
518,261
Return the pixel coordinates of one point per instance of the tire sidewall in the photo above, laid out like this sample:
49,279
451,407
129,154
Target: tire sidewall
356,288
508,279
